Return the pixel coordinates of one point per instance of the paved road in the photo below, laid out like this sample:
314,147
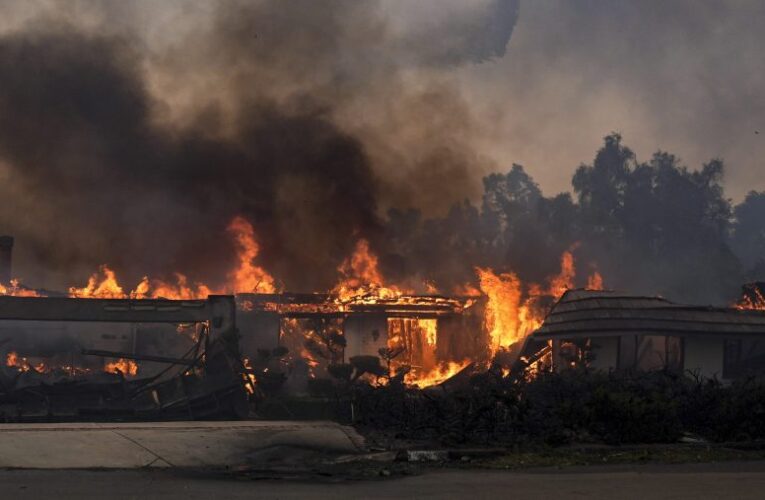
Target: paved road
729,480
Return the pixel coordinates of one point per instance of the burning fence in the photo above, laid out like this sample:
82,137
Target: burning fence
364,328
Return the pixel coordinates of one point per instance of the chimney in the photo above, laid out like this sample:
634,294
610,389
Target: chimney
6,250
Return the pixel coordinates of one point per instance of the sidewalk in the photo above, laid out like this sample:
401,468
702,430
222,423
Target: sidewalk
166,444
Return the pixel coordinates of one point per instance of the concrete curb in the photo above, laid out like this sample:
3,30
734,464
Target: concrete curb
164,444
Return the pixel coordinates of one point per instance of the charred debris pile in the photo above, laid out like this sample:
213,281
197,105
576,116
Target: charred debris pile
360,361
221,357
178,349
54,374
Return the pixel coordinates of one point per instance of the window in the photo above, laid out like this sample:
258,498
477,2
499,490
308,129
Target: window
650,352
743,357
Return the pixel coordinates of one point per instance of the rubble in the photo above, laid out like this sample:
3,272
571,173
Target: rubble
209,381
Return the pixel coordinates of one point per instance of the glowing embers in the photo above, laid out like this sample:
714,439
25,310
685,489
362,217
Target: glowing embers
55,366
13,360
366,348
313,344
126,367
248,376
752,298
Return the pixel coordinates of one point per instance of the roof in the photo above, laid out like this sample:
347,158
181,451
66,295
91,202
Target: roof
306,305
586,313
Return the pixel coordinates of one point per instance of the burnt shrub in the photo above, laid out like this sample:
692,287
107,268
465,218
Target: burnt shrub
642,408
574,406
719,412
580,406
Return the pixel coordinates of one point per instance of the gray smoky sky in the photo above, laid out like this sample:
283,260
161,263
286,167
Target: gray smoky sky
684,76
131,132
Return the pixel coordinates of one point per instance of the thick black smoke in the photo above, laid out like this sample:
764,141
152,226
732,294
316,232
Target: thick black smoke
136,154
320,125
105,185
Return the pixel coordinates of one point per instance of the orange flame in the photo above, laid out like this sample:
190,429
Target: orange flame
13,360
439,374
248,278
503,309
180,290
15,289
248,377
126,367
361,279
595,281
755,302
102,284
565,279
512,313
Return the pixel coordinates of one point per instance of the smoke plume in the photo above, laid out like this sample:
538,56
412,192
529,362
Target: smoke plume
131,133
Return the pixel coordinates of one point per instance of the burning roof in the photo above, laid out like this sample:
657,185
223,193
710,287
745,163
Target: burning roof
298,305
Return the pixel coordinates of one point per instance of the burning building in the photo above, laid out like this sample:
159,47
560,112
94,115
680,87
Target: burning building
433,336
362,329
40,383
611,330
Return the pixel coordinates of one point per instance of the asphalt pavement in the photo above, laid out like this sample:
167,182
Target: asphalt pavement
730,480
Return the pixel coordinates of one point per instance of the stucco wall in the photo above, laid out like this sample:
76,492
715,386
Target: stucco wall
365,334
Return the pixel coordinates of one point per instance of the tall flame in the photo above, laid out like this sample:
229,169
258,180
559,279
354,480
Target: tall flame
503,309
248,278
512,312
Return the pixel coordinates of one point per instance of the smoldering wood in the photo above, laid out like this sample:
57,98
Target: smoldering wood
104,310
306,305
140,357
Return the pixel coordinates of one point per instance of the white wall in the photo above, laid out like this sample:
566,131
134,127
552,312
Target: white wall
365,334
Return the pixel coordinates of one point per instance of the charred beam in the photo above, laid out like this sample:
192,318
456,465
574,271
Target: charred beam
141,357
107,310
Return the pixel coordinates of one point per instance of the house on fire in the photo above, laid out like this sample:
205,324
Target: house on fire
366,323
621,331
